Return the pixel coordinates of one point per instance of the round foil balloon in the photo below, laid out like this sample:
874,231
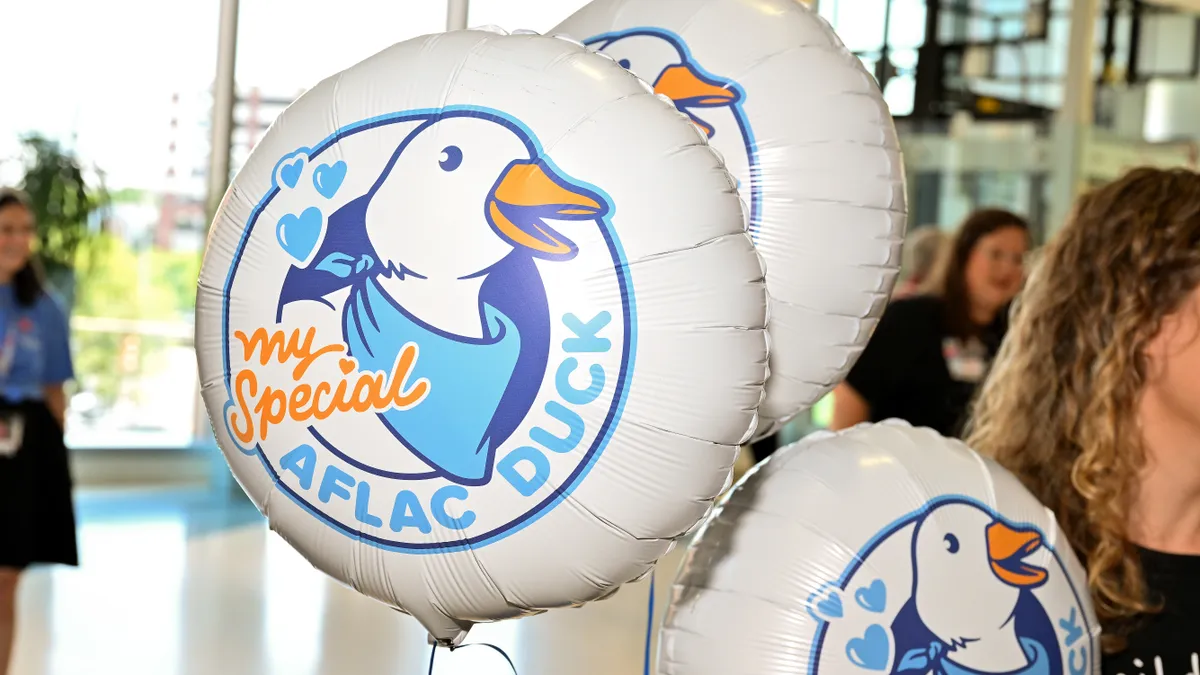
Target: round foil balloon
480,328
805,131
883,549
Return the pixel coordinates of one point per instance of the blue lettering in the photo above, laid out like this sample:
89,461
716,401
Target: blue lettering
301,462
1071,626
570,394
1083,661
438,506
507,467
1074,632
407,512
334,482
362,506
560,445
585,339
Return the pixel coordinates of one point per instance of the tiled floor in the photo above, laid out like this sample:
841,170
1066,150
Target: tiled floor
191,584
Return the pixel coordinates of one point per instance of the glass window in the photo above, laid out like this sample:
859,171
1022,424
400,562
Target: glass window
906,27
268,29
870,61
1058,37
1008,7
900,93
276,54
538,15
1168,45
1010,62
905,60
1043,60
859,23
127,92
114,94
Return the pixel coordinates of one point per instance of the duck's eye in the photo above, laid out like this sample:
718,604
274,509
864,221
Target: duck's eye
624,63
951,543
451,158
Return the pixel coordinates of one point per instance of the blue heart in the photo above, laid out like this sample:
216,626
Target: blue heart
327,179
872,598
290,173
870,651
831,606
298,235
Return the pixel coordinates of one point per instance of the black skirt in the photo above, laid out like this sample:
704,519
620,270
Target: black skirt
37,512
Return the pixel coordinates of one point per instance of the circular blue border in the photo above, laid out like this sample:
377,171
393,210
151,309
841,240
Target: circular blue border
886,533
749,144
628,350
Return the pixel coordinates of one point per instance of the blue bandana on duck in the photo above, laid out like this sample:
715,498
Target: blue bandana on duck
468,377
935,659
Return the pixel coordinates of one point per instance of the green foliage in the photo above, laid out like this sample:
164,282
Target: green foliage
118,282
96,357
177,272
99,274
127,196
62,202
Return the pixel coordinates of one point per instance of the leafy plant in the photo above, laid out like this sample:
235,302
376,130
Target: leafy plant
63,204
120,282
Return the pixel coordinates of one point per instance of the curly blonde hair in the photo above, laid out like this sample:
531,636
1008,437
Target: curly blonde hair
1060,406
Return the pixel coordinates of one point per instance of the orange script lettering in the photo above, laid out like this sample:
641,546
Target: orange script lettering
361,391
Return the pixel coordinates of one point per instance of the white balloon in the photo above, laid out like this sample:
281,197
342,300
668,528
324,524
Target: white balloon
804,129
882,549
480,328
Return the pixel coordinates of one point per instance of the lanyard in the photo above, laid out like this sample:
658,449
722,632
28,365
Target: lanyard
8,349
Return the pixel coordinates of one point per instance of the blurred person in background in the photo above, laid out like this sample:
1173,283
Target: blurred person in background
930,351
922,249
37,517
1094,403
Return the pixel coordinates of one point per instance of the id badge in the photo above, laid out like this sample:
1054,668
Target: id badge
12,431
966,363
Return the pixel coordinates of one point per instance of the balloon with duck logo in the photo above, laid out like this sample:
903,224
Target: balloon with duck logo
881,549
806,132
480,327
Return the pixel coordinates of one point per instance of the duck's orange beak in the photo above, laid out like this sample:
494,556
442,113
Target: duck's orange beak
529,192
530,184
688,88
1007,549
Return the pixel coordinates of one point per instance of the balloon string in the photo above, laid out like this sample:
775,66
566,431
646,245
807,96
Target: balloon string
494,648
649,626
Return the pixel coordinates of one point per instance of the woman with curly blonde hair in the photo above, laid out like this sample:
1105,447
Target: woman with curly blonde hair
1094,402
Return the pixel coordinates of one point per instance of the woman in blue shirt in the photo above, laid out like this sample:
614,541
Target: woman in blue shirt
37,518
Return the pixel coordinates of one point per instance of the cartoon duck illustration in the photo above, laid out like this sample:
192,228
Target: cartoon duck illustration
660,58
440,252
972,608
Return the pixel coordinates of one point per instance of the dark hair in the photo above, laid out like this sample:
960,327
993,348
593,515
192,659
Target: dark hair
28,285
949,278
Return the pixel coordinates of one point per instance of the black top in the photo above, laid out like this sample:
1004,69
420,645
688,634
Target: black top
914,369
1168,642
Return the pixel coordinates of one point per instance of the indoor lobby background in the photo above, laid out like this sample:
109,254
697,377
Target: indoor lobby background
1016,104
